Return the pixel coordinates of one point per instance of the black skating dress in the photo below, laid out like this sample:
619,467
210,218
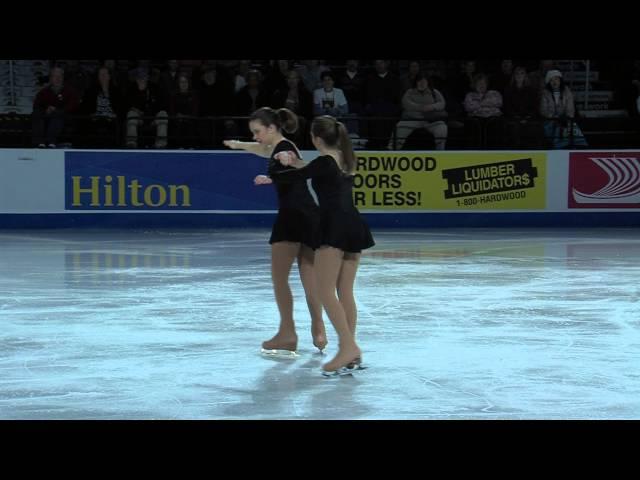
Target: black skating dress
298,218
341,225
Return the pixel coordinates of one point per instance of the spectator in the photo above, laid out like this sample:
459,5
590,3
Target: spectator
104,103
483,103
169,78
483,107
51,107
276,76
250,98
329,100
383,97
423,107
520,106
502,79
299,100
215,100
145,100
294,96
352,83
557,107
183,108
520,96
103,99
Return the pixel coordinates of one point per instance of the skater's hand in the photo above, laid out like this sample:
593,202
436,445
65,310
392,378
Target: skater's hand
232,144
262,180
285,158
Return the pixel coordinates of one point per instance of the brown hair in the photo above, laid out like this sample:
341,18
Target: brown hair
335,135
283,118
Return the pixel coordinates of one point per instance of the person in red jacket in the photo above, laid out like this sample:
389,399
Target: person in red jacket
51,107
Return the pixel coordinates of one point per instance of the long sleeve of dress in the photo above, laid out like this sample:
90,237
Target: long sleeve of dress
315,168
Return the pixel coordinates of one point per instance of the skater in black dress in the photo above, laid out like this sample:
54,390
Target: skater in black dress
294,234
343,232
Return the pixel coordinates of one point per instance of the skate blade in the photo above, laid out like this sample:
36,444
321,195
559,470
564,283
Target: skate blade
342,371
277,353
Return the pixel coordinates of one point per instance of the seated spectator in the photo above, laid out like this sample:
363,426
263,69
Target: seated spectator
501,80
299,100
295,97
183,108
145,100
521,110
483,109
383,97
250,98
482,102
557,107
169,78
423,107
216,100
520,96
276,76
104,103
352,83
329,100
51,108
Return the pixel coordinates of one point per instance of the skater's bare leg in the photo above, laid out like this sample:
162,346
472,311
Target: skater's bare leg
283,254
308,278
328,261
346,280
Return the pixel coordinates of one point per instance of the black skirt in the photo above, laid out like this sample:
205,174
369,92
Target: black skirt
345,230
293,225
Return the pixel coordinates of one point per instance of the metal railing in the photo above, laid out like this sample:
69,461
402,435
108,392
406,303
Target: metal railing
368,132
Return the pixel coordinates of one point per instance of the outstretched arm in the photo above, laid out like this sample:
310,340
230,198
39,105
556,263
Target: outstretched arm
290,159
302,170
251,147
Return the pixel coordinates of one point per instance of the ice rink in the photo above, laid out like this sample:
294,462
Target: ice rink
453,324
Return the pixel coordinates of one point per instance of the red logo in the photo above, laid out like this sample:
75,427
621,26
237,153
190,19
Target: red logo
604,180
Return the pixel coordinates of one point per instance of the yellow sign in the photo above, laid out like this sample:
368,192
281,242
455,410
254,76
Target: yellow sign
450,180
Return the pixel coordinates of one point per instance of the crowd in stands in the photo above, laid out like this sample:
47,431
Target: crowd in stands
385,104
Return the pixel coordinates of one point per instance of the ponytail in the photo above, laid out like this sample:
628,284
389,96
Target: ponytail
346,147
